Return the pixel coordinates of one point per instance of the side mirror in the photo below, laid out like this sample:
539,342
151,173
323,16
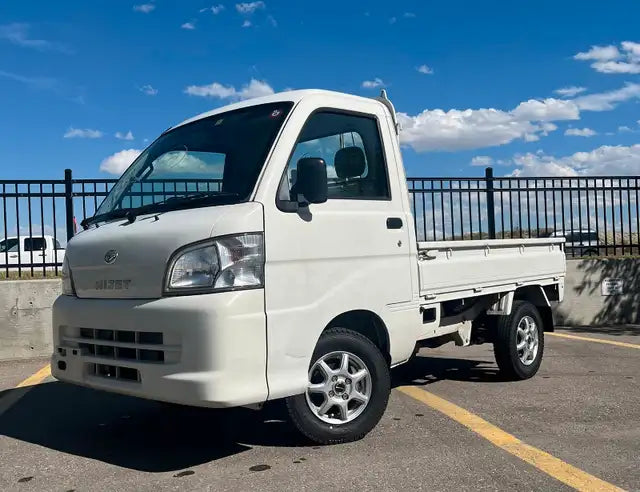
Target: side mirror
311,180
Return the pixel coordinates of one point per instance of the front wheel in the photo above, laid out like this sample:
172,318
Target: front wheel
519,341
348,390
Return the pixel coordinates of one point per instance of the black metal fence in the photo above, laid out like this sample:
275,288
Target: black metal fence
597,215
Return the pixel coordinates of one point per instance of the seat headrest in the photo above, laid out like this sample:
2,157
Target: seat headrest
349,162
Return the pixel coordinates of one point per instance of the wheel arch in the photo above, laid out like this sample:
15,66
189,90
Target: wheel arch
368,324
536,295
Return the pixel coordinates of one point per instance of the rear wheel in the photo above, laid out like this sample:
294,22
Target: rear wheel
348,390
519,341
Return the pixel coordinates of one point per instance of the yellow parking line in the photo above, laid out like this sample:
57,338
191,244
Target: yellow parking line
36,378
12,397
596,340
545,462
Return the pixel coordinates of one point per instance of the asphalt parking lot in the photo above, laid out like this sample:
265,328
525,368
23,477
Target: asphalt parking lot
451,424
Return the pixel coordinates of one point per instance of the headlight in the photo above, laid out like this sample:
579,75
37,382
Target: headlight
227,263
68,288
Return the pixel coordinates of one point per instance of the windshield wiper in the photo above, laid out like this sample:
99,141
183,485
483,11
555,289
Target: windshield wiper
112,214
171,203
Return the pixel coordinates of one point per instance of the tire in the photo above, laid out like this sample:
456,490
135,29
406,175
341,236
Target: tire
332,428
508,357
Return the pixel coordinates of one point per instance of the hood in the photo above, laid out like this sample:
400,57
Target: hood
143,248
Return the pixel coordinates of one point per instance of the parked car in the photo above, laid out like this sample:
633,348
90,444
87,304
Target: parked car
579,243
25,252
308,287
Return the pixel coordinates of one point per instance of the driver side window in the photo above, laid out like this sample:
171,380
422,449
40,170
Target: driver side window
352,150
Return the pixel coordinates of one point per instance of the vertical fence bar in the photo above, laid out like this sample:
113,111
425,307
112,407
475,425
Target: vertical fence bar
621,214
6,236
16,187
501,209
491,212
629,217
637,244
55,228
68,202
595,209
613,220
44,253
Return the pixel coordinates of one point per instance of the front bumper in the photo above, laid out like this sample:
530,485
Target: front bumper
204,350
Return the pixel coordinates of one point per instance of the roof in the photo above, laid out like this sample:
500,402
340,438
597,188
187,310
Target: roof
293,96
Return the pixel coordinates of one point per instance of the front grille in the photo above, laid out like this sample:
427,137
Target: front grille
108,371
121,345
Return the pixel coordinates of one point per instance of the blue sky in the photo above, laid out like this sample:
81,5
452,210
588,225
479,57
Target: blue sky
476,82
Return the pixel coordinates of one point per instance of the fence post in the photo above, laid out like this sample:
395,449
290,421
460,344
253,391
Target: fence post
68,202
491,210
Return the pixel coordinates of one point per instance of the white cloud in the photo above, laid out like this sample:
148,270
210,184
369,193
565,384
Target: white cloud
124,136
189,26
246,23
456,130
570,91
215,9
624,129
372,84
117,163
436,129
255,88
409,15
606,101
145,8
580,132
609,59
599,53
617,67
82,133
605,160
149,90
250,7
272,20
546,110
42,83
476,128
18,33
482,160
425,69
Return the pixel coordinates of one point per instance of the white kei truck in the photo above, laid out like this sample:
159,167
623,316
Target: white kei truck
300,277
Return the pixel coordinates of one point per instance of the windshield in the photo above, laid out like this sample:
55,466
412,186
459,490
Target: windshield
215,160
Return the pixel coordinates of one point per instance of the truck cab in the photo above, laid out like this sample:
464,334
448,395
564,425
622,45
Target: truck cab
291,270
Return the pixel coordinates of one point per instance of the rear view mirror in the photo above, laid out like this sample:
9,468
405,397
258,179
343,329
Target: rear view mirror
311,179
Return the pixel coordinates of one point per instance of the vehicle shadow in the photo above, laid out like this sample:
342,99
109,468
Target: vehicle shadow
139,434
422,371
158,437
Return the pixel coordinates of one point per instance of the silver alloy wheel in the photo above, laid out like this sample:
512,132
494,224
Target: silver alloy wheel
339,387
527,340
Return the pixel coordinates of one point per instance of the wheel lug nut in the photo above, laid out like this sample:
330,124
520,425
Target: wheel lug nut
331,394
334,378
348,381
345,397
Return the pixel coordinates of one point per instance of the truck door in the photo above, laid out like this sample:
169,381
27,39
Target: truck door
349,253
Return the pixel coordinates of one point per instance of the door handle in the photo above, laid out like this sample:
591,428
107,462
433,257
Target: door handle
394,223
13,256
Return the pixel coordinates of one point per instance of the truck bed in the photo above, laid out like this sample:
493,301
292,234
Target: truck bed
455,269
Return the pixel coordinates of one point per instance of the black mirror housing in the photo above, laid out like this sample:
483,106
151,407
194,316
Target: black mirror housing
311,179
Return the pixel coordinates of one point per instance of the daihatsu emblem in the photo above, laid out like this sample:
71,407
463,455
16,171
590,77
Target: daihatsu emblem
110,256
